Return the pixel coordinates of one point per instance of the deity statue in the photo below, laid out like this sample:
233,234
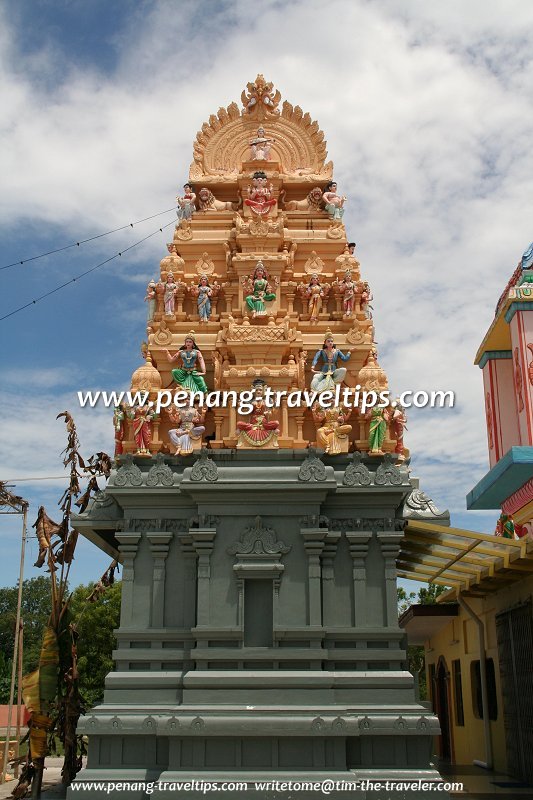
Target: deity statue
142,418
366,297
314,294
333,434
260,289
505,526
208,202
259,431
329,375
347,288
397,422
186,203
169,296
313,202
351,248
260,146
119,421
190,428
260,198
334,204
151,299
187,375
204,293
377,430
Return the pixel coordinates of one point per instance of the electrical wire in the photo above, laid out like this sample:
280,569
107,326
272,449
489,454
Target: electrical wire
84,241
83,274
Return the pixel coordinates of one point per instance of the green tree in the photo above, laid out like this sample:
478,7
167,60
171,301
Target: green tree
403,599
95,623
35,611
428,595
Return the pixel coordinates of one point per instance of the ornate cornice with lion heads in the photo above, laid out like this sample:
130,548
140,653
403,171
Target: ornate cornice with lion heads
223,143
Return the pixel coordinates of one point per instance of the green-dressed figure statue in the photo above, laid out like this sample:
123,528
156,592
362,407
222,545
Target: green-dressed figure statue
260,291
188,376
377,431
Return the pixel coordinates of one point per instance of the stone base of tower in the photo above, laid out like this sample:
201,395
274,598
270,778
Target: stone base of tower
259,641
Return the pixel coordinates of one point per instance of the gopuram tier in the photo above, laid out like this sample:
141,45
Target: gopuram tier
259,275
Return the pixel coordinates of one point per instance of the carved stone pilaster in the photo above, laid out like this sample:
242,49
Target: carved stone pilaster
389,542
358,543
129,543
203,542
314,545
159,546
329,603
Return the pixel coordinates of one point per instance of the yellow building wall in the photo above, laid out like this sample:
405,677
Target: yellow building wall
459,640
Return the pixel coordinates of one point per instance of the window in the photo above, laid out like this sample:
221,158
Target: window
491,689
458,692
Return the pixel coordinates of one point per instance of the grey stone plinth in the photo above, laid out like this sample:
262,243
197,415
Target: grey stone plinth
258,637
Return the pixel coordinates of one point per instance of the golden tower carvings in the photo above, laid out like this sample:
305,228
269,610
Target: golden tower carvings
259,274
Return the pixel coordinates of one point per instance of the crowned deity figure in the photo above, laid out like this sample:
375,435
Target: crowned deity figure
151,299
347,288
189,430
188,376
260,146
397,423
119,422
314,293
260,291
333,432
169,296
377,430
203,292
142,418
329,375
186,203
334,204
260,198
260,431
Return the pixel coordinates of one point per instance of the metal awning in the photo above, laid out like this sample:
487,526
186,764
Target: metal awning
472,563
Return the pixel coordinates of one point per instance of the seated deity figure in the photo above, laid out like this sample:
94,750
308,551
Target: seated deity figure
260,291
334,204
333,433
190,428
188,376
329,375
186,203
260,146
260,198
260,431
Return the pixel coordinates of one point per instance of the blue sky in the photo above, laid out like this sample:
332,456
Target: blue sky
426,110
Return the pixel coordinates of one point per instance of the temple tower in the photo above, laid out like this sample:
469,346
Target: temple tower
259,637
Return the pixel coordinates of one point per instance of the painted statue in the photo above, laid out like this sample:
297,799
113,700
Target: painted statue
208,202
314,293
347,288
186,203
325,378
119,422
397,422
169,296
260,291
204,293
334,204
366,297
332,435
142,418
260,431
260,198
260,146
505,526
377,430
188,376
189,428
151,299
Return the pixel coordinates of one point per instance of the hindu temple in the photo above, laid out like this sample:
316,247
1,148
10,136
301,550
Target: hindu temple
259,638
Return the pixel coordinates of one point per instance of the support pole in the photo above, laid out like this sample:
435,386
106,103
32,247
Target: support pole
19,698
488,763
16,646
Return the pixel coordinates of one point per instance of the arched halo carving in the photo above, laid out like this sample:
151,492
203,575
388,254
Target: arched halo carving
223,143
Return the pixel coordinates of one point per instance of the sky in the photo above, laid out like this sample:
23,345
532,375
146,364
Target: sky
426,108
